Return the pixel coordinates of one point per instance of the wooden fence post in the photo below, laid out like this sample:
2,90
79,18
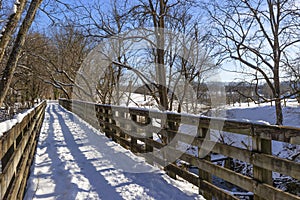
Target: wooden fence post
148,147
133,140
171,128
122,125
112,122
105,119
203,175
260,174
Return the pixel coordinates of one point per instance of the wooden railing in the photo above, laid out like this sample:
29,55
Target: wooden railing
17,148
116,122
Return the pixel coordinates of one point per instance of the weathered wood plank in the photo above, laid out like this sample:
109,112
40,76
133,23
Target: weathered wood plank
192,178
270,193
216,192
153,143
276,164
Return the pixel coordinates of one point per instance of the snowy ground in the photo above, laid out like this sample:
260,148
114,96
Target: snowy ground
75,161
266,113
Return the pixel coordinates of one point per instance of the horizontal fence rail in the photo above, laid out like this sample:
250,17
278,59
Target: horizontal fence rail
17,148
134,129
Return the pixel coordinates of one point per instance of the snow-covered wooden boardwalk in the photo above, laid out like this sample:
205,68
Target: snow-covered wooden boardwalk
75,161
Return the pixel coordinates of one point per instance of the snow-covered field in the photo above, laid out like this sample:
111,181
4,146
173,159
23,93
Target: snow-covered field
265,113
75,161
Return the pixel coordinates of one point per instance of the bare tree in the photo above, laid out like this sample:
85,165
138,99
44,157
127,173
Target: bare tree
67,50
260,35
11,64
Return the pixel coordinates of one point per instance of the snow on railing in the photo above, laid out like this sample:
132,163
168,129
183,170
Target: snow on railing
8,124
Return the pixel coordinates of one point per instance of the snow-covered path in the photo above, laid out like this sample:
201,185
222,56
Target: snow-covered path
75,161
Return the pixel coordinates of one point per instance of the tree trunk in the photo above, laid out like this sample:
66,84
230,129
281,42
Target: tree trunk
160,64
16,51
279,116
10,26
